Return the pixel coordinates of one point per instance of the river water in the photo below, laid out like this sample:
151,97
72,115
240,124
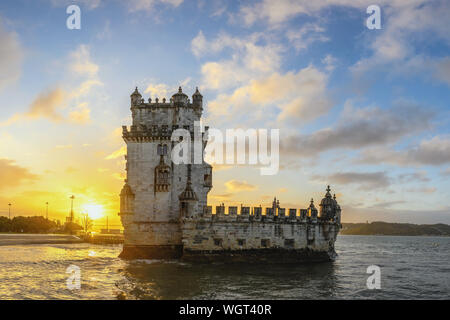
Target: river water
411,268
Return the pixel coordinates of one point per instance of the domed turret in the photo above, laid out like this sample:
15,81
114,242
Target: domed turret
197,99
312,211
327,206
188,198
136,97
180,97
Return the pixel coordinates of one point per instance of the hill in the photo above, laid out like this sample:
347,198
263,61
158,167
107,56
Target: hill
395,229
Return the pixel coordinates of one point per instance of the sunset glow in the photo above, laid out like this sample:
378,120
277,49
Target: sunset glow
341,94
94,211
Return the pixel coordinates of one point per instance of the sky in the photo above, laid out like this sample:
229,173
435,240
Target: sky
363,110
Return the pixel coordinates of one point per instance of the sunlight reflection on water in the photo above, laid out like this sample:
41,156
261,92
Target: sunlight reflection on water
412,267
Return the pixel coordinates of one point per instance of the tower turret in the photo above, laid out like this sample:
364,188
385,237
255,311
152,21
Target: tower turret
197,99
136,97
312,211
180,98
327,206
188,197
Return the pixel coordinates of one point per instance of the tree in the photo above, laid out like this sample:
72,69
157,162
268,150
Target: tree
86,223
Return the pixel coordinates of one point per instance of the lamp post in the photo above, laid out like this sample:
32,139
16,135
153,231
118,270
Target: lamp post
46,210
9,211
71,208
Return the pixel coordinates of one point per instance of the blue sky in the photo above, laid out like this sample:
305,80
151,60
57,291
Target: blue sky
363,110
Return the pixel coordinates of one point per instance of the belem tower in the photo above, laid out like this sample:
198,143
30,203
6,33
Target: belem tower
164,208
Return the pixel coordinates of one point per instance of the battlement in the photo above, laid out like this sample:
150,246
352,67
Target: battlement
161,103
177,100
259,214
250,229
155,132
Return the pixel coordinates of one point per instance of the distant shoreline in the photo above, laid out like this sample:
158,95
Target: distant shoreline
396,235
380,228
9,239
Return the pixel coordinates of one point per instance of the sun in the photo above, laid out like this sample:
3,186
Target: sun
94,211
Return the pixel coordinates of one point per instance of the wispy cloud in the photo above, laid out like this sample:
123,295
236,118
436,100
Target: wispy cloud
360,128
365,180
52,102
117,154
11,56
12,175
235,185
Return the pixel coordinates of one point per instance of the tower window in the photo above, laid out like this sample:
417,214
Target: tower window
289,243
162,149
218,242
265,243
241,242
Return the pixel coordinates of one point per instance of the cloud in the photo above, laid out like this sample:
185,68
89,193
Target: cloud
46,104
426,190
119,175
50,103
117,154
252,56
12,175
81,62
306,35
298,96
81,114
148,5
392,49
10,57
235,185
366,181
221,197
251,78
199,44
433,152
360,128
89,4
442,70
159,90
413,177
387,204
356,214
275,13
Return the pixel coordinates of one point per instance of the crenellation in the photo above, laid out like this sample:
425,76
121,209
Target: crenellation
232,212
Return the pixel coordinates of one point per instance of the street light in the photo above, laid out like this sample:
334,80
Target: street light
9,215
46,211
71,208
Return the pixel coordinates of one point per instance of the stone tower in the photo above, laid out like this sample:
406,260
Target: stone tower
158,193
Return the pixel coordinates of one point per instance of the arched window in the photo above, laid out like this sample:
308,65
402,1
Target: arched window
162,176
162,150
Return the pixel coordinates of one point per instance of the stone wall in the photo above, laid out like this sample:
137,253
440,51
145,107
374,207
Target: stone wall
211,234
